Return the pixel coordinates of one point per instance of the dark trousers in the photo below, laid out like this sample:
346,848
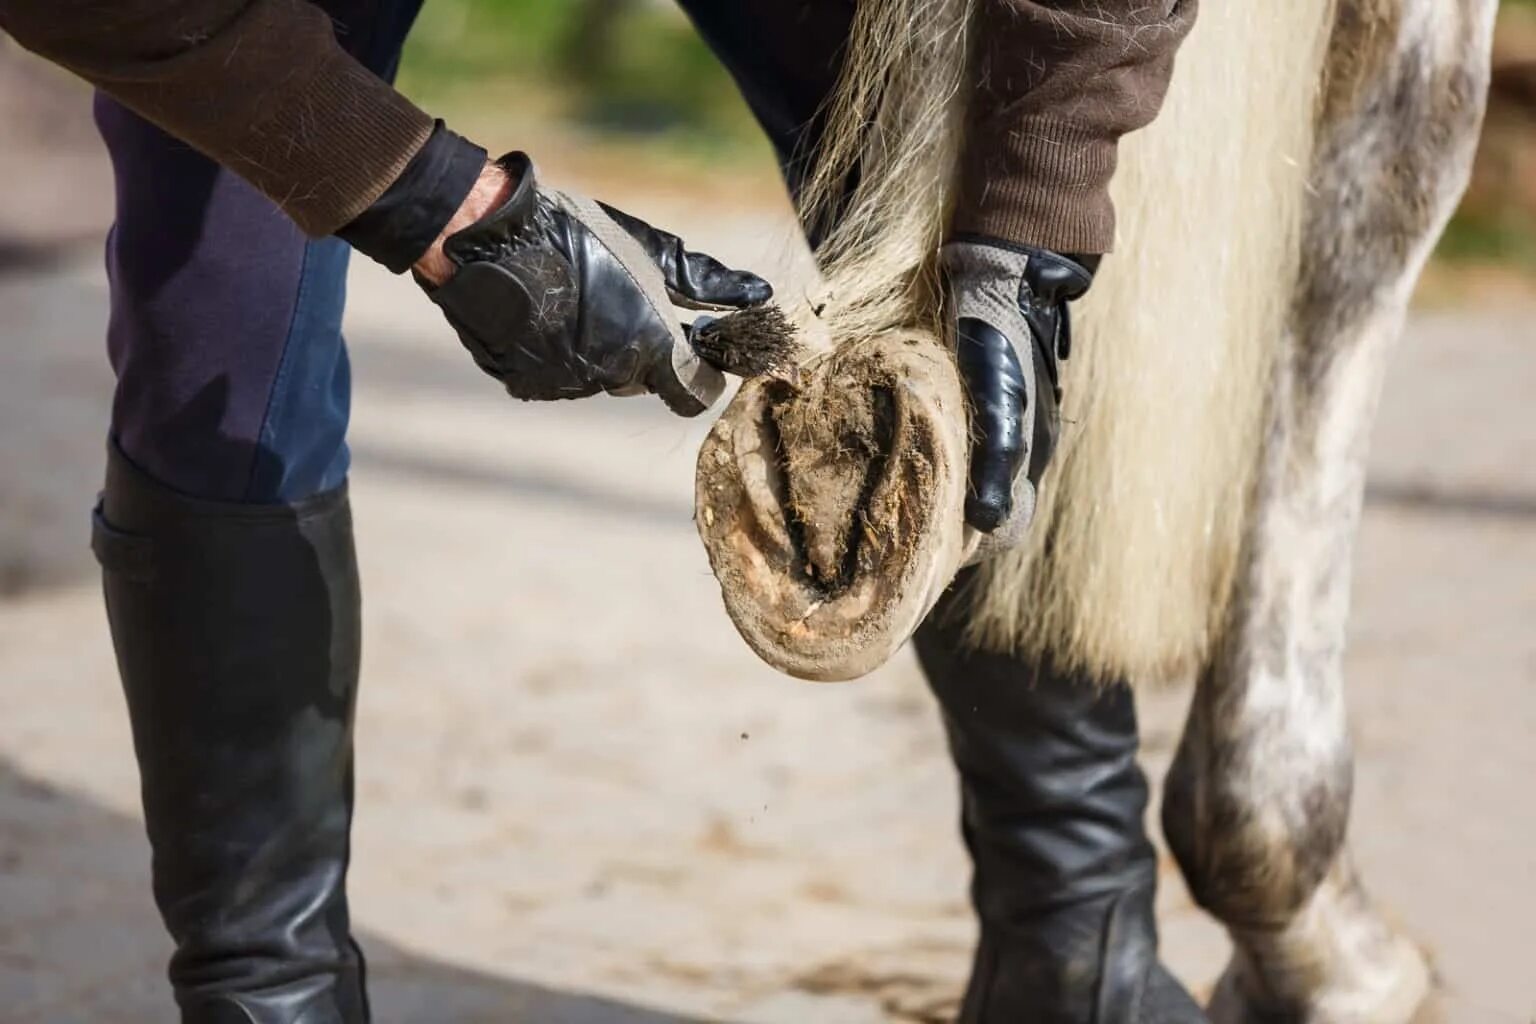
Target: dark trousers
225,331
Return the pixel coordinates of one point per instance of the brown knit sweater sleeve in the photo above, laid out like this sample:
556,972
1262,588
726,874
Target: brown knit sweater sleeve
1061,82
261,86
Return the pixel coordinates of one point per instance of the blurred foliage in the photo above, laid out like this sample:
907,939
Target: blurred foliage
634,67
1500,237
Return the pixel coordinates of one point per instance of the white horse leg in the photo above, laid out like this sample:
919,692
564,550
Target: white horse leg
1257,800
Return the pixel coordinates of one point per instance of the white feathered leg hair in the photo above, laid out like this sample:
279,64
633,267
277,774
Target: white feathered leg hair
831,506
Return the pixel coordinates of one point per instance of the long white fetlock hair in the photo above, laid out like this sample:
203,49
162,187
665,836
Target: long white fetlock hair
1130,562
1128,567
891,128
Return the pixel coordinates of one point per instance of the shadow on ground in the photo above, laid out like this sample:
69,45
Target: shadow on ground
74,882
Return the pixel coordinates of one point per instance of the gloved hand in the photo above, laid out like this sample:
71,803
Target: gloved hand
561,297
1013,330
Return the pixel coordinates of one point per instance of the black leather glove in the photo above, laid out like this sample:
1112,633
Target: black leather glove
1013,330
561,297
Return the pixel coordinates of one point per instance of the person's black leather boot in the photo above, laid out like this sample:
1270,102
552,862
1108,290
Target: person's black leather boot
1052,812
237,635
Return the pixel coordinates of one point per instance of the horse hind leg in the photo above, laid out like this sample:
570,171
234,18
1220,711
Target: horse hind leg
1257,800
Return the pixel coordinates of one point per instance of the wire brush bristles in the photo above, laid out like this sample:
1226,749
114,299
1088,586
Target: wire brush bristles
749,343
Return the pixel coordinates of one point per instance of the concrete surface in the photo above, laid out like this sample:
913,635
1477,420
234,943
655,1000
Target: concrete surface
582,800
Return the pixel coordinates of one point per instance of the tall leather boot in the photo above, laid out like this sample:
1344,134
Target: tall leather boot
1052,808
237,635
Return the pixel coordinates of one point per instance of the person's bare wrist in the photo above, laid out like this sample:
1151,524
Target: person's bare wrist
491,190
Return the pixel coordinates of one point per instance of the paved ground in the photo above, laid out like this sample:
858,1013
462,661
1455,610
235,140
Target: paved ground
581,798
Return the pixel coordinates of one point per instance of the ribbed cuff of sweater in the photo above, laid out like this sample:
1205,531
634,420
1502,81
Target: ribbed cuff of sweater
404,222
1045,182
346,134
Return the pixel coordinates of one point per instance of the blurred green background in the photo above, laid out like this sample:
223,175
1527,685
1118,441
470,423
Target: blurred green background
631,73
1497,219
632,68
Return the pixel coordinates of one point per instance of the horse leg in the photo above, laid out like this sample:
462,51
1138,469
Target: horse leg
1257,800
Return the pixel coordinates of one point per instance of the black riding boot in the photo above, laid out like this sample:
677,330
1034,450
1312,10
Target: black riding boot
236,629
1052,814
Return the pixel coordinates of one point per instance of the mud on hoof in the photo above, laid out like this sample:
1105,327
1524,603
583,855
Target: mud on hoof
831,504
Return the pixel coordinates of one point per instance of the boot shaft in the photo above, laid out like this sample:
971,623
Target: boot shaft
1053,808
236,629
